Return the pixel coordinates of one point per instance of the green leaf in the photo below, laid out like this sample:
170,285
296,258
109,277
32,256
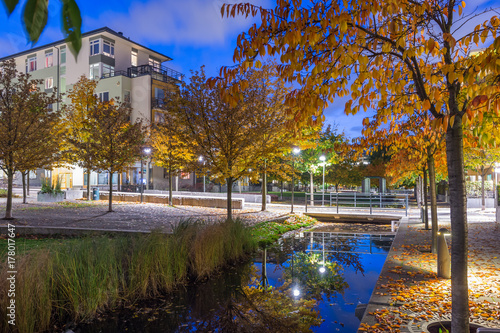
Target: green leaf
72,25
10,5
35,18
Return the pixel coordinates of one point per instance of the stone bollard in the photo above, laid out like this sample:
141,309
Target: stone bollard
444,259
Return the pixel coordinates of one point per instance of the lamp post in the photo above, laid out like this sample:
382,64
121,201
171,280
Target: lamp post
201,159
144,151
322,158
295,151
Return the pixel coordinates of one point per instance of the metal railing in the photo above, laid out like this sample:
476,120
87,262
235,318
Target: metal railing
355,200
164,74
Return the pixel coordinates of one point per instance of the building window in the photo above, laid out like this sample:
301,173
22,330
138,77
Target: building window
31,64
133,58
94,71
62,82
126,97
155,64
94,47
102,178
49,83
63,55
49,59
108,70
104,96
108,48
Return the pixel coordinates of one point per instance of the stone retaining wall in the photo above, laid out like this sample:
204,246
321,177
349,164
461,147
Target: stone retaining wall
257,198
212,202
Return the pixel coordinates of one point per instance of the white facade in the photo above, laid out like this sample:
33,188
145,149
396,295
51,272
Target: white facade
108,57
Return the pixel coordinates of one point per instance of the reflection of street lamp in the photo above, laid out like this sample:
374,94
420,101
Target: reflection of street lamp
322,158
201,159
144,151
295,289
322,268
295,151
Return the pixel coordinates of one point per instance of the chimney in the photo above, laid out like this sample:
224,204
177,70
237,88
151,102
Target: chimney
120,33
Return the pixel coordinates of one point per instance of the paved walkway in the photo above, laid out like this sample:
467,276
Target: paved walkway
408,294
128,216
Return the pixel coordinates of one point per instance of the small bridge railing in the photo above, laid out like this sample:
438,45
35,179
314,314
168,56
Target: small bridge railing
354,200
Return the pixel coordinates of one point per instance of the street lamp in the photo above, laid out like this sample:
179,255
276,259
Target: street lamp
201,159
144,152
295,151
322,158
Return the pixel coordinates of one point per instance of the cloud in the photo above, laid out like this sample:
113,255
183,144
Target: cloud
11,43
185,22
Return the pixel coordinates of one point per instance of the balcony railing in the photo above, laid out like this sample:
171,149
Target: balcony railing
164,74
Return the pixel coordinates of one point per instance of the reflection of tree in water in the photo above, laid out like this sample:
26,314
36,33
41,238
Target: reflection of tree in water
307,275
256,309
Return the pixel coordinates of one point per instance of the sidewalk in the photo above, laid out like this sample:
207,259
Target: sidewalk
127,216
408,294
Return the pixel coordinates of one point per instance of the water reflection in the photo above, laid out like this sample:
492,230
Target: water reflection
258,296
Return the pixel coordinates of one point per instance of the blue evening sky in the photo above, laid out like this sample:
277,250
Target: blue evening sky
192,32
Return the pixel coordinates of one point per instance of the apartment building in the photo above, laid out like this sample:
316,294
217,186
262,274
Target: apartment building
124,69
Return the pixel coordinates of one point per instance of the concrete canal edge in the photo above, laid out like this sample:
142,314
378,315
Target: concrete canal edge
378,301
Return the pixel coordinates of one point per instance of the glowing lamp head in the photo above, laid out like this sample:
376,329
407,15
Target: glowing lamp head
296,292
296,150
322,158
147,151
322,269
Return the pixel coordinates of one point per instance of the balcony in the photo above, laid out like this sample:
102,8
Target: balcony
163,74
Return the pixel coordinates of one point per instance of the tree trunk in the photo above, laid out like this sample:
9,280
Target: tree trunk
88,185
170,200
118,181
110,191
312,188
281,193
8,207
426,207
28,184
483,200
23,174
229,183
458,214
264,190
418,192
432,184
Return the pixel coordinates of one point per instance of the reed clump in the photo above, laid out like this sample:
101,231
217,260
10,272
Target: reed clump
76,280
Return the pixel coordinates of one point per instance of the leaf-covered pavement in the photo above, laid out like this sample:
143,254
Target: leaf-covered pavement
126,216
409,294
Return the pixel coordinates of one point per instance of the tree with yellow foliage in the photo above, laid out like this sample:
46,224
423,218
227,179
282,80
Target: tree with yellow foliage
232,136
79,145
28,126
170,150
118,138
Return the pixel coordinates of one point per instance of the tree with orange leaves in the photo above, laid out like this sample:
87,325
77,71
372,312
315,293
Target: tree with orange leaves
410,139
392,56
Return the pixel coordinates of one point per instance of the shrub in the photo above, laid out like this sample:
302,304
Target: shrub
47,187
